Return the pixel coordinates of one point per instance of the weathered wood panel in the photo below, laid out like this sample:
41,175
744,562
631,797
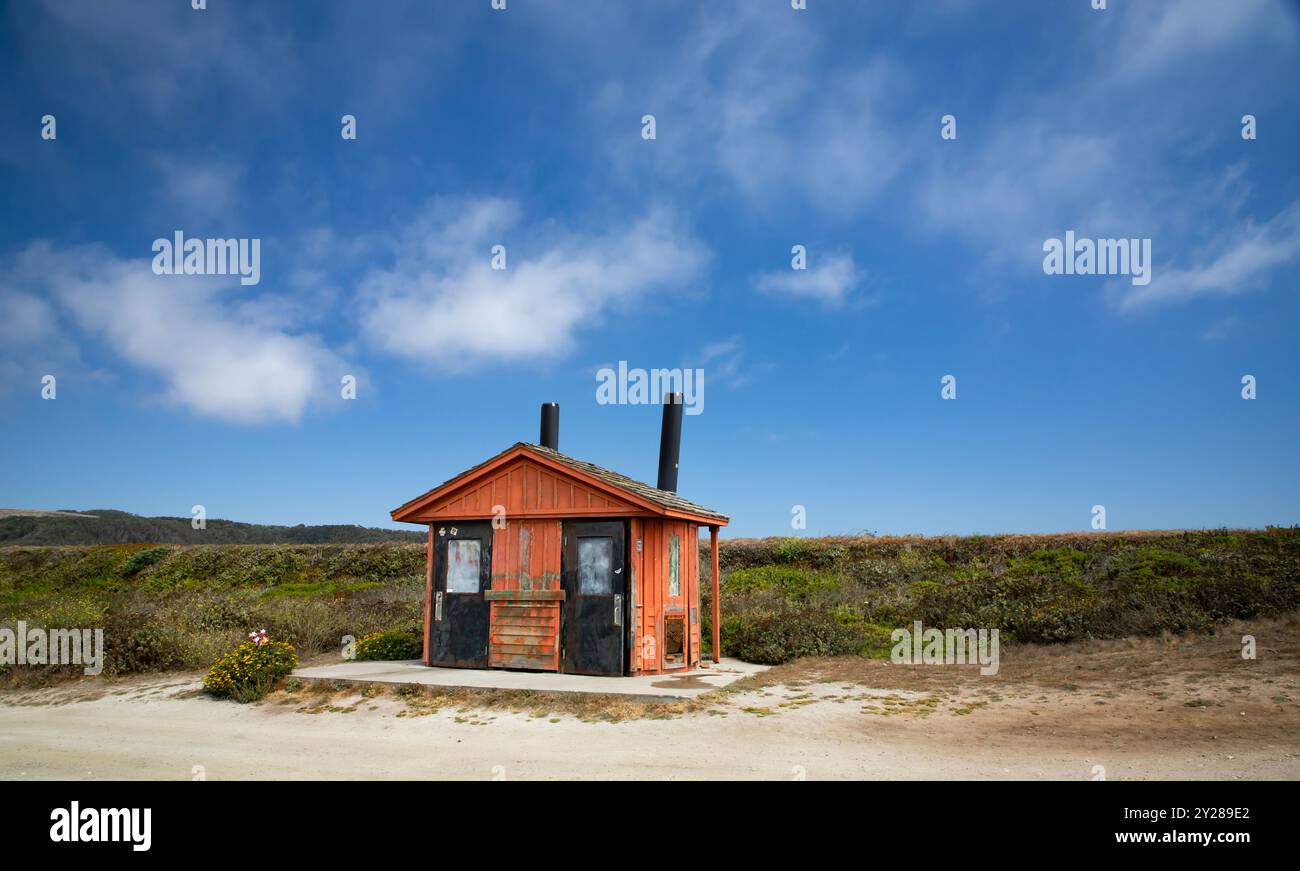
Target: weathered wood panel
652,569
526,555
652,595
526,559
691,543
522,489
525,635
636,589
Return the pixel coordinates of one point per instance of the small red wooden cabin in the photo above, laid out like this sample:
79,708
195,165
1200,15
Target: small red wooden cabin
537,560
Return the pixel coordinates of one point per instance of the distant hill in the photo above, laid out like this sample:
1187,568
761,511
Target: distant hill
104,526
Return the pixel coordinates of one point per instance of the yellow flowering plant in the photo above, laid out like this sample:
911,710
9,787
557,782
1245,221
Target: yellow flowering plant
248,672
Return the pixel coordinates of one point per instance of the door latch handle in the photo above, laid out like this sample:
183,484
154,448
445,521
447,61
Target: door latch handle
618,609
437,606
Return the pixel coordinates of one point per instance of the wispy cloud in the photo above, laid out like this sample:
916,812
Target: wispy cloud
167,58
742,98
1161,38
1002,196
32,342
829,282
442,303
1043,164
160,54
725,362
1242,258
200,189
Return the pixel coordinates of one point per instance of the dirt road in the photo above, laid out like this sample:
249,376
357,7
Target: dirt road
1123,709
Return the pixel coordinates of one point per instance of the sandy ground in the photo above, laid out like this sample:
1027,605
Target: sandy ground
1129,709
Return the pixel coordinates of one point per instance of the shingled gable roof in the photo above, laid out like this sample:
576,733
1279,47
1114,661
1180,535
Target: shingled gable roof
668,502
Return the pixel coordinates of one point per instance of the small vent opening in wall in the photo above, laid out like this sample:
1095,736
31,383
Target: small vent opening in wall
674,639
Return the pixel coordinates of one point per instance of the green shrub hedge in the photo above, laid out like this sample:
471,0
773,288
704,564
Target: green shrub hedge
389,644
795,584
777,638
143,559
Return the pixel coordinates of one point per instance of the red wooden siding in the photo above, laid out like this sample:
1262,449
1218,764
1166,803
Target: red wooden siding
526,555
525,631
645,602
523,488
525,635
636,584
650,573
691,559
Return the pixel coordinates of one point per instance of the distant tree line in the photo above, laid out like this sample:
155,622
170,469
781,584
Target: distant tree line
120,527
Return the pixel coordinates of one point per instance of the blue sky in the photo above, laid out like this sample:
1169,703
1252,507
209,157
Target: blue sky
773,128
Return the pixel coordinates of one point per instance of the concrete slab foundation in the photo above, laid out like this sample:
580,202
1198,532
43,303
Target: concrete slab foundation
681,685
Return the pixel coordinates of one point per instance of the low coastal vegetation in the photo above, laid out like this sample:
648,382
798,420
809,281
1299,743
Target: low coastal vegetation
790,597
401,643
183,606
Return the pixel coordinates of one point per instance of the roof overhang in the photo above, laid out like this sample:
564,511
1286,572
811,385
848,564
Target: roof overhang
636,505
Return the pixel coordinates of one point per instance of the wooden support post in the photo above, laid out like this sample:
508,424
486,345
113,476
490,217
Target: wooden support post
717,595
428,596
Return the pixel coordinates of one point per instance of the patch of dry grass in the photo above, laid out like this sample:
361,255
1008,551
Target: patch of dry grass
419,700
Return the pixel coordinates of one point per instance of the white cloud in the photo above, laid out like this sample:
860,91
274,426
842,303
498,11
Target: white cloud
1043,164
217,356
25,318
722,362
31,342
1022,185
200,189
166,60
160,55
716,350
442,303
1242,259
828,282
825,139
1159,38
745,97
726,363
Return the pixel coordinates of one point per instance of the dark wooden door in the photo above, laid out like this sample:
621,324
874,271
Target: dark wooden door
593,573
462,571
